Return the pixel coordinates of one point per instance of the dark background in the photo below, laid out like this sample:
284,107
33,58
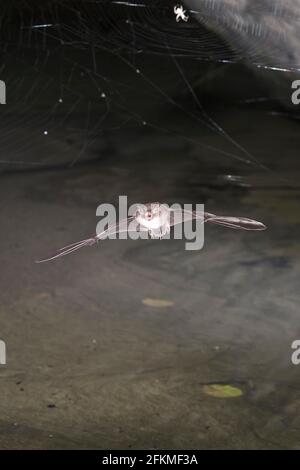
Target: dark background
126,344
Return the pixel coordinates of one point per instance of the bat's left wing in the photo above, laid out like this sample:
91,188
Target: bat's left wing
178,216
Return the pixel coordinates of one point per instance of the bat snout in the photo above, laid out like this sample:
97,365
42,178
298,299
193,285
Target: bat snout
148,215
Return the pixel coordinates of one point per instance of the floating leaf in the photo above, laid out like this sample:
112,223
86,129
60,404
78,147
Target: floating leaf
222,391
157,303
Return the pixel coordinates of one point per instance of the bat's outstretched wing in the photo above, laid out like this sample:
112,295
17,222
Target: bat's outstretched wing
125,225
179,216
240,223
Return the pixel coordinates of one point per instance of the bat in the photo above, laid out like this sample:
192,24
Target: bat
157,219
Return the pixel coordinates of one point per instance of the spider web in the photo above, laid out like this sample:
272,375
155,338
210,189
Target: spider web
79,70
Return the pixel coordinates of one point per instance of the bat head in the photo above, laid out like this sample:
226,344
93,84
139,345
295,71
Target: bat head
148,211
152,215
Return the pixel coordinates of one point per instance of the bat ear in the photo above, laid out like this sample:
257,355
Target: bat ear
136,209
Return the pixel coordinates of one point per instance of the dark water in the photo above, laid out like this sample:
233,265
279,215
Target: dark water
127,344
